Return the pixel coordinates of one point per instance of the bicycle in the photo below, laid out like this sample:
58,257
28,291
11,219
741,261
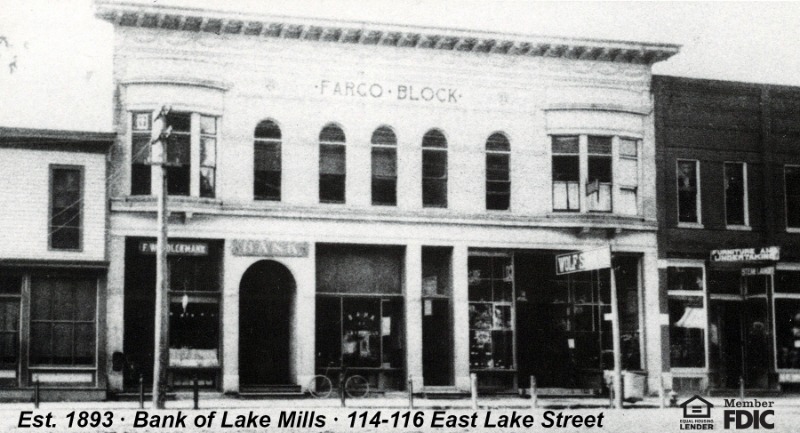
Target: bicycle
355,386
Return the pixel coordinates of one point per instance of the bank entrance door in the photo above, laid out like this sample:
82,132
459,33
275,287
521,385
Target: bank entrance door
266,308
739,336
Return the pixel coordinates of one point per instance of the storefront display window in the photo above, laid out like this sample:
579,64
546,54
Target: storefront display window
10,291
63,321
359,318
787,319
687,323
491,320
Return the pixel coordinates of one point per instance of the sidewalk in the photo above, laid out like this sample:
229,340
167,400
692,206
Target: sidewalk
216,401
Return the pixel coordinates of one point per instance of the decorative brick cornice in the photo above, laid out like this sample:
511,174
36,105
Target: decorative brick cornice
156,16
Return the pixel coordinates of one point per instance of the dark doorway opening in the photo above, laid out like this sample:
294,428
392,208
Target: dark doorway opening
266,298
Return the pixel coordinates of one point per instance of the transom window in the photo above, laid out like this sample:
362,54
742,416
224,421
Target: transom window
332,166
267,164
434,169
498,176
384,167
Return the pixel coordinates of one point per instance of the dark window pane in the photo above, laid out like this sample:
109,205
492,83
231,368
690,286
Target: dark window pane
332,159
65,213
498,142
179,149
384,192
684,278
600,169
434,192
329,337
268,129
10,284
724,282
687,191
178,180
267,170
565,144
331,188
434,164
566,168
787,332
332,134
141,148
734,193
41,350
267,185
792,185
434,139
787,281
140,179
361,328
180,122
497,166
195,327
599,145
384,136
498,195
384,162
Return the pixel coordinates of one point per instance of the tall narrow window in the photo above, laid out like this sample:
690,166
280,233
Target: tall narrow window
332,166
498,179
687,316
688,192
384,167
63,321
628,176
179,150
267,166
566,173
65,208
141,126
599,179
10,293
791,176
434,169
736,194
208,156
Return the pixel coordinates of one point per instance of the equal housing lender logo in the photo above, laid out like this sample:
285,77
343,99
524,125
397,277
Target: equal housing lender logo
737,414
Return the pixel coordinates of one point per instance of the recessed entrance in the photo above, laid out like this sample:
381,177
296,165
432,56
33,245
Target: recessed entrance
266,298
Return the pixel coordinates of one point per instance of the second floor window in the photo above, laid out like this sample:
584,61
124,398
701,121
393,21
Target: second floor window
600,178
566,174
65,207
434,169
736,194
384,167
332,167
688,177
498,176
267,162
187,176
791,175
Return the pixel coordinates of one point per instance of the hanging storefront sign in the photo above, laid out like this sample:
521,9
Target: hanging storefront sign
266,248
583,261
746,255
176,247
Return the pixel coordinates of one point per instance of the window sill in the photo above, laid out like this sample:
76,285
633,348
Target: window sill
699,226
739,228
792,229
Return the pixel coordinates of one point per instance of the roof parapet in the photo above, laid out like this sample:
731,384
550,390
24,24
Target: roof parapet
158,16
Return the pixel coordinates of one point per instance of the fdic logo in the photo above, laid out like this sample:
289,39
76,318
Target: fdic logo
738,415
748,418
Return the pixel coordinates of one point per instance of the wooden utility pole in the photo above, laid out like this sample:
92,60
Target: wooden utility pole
161,132
615,335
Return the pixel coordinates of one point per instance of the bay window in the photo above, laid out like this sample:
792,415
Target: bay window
191,154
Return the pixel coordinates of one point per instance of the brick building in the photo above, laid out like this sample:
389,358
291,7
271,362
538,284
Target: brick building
728,158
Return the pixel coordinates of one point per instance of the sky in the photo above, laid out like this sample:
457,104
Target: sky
64,54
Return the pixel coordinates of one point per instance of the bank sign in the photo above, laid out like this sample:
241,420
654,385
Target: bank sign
735,255
583,261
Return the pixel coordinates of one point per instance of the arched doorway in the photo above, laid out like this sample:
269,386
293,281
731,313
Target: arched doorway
266,297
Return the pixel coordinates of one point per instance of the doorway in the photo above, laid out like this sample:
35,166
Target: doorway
266,305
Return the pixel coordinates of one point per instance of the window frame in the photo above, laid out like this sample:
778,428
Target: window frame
51,198
433,150
494,152
195,143
383,147
789,229
745,196
261,141
340,144
703,294
776,295
698,196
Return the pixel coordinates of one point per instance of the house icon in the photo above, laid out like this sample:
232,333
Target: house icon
696,407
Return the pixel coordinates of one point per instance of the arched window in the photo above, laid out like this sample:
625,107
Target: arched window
384,167
267,164
498,179
434,169
332,166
